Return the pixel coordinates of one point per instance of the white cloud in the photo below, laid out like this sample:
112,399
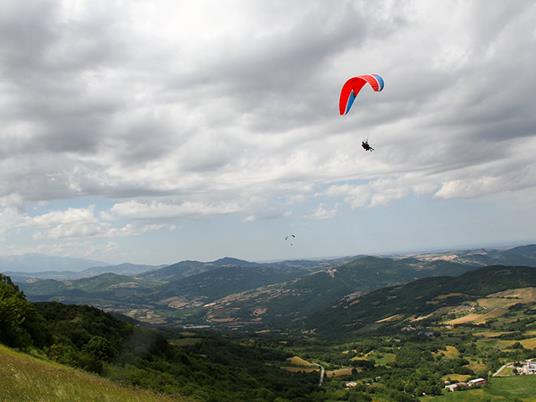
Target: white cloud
468,188
66,217
81,223
356,196
322,212
159,210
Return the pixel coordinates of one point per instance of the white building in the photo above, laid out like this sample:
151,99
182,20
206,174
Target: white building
456,387
477,382
451,387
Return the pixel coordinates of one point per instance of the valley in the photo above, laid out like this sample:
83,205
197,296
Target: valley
234,294
359,325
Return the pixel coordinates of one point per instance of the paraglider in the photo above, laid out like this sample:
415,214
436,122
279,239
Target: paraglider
351,89
353,86
291,237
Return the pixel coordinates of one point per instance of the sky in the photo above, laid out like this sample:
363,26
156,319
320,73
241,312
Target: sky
156,131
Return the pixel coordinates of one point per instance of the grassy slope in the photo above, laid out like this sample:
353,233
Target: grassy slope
498,390
25,378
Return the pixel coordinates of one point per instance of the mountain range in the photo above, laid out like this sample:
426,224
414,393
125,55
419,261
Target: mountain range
120,269
251,296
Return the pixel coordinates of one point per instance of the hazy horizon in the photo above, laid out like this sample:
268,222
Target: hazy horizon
398,253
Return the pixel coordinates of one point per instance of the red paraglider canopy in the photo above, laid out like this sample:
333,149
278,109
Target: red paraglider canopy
352,87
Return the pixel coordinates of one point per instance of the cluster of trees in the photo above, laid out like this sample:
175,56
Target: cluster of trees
83,336
20,324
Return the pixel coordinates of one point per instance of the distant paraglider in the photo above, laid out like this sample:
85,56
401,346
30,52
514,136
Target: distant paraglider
290,238
366,146
351,89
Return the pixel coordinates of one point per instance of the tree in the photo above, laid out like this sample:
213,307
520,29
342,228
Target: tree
100,348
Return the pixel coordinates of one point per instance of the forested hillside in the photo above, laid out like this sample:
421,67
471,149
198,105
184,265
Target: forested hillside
206,367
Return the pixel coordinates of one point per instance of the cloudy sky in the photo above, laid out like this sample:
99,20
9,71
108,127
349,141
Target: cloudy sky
155,131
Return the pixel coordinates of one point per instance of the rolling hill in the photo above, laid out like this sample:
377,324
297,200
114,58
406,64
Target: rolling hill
179,270
186,269
516,256
225,280
285,304
235,293
238,294
104,288
190,280
121,269
418,301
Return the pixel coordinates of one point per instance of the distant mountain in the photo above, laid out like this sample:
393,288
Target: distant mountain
403,305
186,269
121,269
233,262
518,256
227,279
187,284
57,275
241,294
179,270
101,289
234,292
280,304
41,263
212,280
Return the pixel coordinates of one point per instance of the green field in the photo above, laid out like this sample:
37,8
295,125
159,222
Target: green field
382,359
26,378
499,389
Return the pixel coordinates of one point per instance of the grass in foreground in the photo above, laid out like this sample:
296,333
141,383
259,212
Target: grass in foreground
26,378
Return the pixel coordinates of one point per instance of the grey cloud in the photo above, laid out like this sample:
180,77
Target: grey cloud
93,106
